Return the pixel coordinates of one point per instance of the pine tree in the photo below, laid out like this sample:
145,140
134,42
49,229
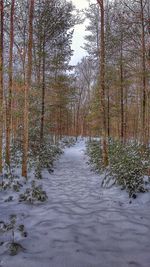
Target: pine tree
102,83
1,80
26,92
10,85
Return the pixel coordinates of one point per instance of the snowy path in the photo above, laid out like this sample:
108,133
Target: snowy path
82,225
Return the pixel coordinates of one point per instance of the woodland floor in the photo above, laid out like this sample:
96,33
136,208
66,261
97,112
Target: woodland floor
81,224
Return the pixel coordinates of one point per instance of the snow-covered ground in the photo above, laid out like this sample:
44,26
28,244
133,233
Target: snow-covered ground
81,224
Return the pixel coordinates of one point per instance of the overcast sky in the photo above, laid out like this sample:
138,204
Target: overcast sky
79,32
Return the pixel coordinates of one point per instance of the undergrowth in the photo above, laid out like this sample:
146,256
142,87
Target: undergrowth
128,165
14,187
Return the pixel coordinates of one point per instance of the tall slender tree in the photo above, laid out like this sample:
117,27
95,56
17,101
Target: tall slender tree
1,80
102,82
144,100
43,93
26,91
10,85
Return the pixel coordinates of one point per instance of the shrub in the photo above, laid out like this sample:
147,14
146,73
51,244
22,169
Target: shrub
12,226
127,165
35,193
9,180
47,155
94,152
40,156
68,141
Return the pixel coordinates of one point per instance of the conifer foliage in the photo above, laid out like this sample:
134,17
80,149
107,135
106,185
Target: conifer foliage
36,91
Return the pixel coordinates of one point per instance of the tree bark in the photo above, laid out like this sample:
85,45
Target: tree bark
108,112
121,92
43,95
102,83
10,85
143,75
26,92
1,81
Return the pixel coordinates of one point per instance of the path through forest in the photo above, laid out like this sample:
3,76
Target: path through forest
82,225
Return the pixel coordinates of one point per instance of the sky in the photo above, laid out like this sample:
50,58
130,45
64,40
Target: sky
78,37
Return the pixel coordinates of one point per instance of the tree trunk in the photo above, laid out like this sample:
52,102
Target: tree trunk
26,92
121,94
43,95
10,85
1,81
102,84
125,115
143,75
108,112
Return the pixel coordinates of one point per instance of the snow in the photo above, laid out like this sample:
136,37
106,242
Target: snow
81,224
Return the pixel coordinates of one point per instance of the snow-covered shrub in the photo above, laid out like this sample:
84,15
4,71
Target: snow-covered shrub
9,184
33,193
16,154
128,164
14,248
94,152
47,155
9,180
68,141
40,156
12,226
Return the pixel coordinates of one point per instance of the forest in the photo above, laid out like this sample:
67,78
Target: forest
74,138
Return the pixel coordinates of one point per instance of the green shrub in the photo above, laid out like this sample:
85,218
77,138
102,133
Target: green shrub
33,193
13,227
128,164
47,155
9,180
94,152
68,141
40,156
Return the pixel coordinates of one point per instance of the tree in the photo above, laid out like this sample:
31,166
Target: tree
1,80
26,91
84,79
144,100
52,50
10,85
102,83
126,78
